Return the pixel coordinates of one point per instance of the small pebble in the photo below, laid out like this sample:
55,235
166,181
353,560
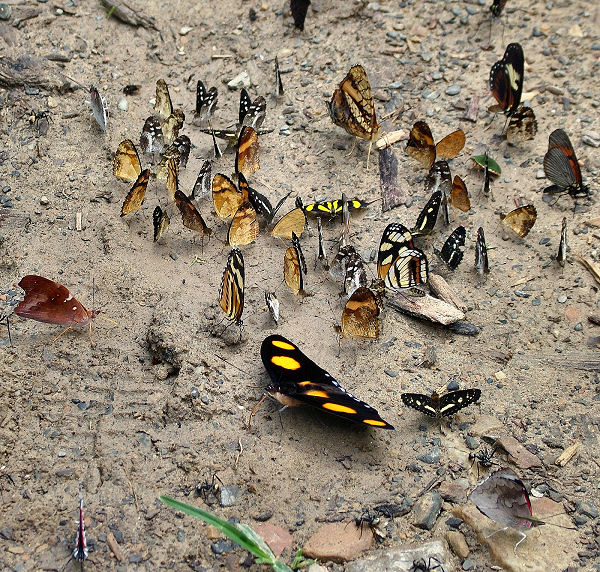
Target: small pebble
432,456
452,386
562,299
122,104
5,11
44,201
588,140
221,546
453,90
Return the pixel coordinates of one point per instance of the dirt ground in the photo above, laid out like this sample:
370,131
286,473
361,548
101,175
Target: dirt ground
126,421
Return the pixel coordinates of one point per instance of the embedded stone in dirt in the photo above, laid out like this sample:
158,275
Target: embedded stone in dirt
276,537
426,510
519,455
338,541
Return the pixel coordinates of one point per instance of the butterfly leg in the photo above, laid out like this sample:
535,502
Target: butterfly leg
264,396
353,147
61,334
523,537
497,531
90,335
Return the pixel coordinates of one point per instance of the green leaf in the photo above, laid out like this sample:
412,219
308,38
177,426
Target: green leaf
492,165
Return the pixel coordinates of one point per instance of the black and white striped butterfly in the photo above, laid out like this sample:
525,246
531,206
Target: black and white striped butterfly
438,406
206,100
452,251
481,257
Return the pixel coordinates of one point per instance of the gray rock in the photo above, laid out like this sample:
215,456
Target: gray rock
426,510
5,11
122,104
591,141
240,80
229,495
432,456
588,508
453,90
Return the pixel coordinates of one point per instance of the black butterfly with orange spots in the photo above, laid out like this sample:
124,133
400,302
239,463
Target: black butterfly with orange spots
297,380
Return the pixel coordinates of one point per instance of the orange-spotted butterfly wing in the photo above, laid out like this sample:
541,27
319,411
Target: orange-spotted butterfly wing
441,405
506,79
561,166
50,302
297,380
244,226
247,156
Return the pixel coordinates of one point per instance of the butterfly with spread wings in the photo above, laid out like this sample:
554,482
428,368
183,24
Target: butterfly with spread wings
421,147
436,405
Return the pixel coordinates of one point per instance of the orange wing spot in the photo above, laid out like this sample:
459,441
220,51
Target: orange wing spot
285,362
338,408
304,383
375,422
317,393
283,345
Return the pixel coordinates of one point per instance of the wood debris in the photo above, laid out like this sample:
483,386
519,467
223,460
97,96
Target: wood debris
567,454
426,307
121,11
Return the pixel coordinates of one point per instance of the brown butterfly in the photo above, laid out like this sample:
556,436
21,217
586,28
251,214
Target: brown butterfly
247,155
522,126
161,221
521,219
191,218
459,196
360,315
135,197
52,303
291,223
421,147
244,226
231,294
227,198
126,164
179,151
172,125
172,177
352,106
163,108
294,267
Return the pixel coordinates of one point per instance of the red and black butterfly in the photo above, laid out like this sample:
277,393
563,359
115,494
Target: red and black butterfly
497,7
562,168
506,80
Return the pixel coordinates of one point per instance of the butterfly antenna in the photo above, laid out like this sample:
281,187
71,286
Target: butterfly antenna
264,396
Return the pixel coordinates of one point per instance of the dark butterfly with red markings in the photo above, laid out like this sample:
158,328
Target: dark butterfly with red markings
503,498
438,406
299,9
98,104
206,100
482,264
561,257
562,168
297,380
506,79
52,303
452,252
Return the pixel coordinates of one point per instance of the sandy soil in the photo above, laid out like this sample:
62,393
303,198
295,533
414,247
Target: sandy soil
127,421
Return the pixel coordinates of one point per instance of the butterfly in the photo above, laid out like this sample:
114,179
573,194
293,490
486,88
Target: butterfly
294,267
52,303
273,305
561,257
243,228
521,219
481,257
360,317
522,126
562,168
459,196
352,106
163,108
203,182
172,125
428,216
349,266
247,155
421,147
135,197
299,9
190,217
321,253
506,79
396,238
452,251
231,294
178,151
263,205
503,498
81,551
206,100
161,221
388,179
151,138
227,198
126,164
440,179
409,269
333,208
297,380
438,406
98,104
278,82
496,7
486,177
291,223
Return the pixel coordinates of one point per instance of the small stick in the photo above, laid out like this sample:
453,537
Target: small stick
237,459
78,221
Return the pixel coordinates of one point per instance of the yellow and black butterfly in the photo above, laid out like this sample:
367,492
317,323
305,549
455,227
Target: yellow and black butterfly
409,269
294,267
190,217
291,223
231,294
243,228
161,222
421,147
506,80
333,208
428,216
352,106
126,164
521,219
482,264
135,197
247,155
396,239
297,380
438,406
360,317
